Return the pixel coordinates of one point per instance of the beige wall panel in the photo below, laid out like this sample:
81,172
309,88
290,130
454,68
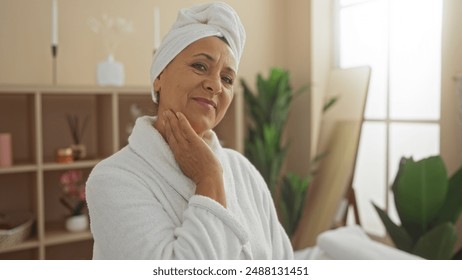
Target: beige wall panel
264,21
25,54
26,26
309,52
80,49
299,64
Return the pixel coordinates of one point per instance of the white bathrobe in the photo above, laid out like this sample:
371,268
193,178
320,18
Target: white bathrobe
142,206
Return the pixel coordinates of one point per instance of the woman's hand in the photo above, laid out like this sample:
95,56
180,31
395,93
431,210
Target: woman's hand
194,156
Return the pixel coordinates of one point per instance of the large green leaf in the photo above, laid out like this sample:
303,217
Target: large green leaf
438,243
420,190
398,234
453,204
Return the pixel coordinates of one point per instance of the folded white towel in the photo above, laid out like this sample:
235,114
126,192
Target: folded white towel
197,22
352,243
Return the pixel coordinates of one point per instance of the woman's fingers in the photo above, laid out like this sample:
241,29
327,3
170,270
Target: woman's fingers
181,129
193,155
185,127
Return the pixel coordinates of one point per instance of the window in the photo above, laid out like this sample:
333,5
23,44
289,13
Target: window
401,41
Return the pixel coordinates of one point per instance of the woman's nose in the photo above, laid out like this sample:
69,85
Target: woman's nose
212,84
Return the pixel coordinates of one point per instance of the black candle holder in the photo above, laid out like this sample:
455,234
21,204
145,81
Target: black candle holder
54,66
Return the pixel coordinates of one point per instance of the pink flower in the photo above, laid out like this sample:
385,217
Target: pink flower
75,175
73,196
82,194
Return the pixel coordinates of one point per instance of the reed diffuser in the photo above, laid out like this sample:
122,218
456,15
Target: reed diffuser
77,127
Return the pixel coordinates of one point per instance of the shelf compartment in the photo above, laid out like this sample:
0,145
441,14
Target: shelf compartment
55,212
18,192
97,137
17,117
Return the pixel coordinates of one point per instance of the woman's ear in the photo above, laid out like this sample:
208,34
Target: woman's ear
156,84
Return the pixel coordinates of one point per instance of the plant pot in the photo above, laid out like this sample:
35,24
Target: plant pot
77,223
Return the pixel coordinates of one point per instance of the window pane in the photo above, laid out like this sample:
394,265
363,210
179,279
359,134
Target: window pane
415,59
344,3
370,178
401,41
363,41
411,139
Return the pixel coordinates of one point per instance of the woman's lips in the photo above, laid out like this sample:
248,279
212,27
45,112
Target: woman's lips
206,102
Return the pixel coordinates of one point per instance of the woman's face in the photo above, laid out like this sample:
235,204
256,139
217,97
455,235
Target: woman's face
199,83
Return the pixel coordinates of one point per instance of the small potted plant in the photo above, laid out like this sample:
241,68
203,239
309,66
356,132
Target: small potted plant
73,198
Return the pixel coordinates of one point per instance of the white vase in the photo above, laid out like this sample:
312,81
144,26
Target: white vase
110,72
77,223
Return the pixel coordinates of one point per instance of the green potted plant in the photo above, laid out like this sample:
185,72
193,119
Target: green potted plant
293,194
428,204
268,110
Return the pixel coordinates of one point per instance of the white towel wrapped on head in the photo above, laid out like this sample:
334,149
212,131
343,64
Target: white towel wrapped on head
197,22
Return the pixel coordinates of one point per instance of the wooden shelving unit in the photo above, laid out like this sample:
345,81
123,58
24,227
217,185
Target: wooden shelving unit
36,118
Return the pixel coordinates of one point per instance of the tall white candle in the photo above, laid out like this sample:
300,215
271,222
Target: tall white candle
156,27
54,23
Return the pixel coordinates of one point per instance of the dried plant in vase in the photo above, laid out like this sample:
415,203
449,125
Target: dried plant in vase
77,127
110,72
111,29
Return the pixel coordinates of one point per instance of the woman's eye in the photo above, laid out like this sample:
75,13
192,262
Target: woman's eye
227,80
199,66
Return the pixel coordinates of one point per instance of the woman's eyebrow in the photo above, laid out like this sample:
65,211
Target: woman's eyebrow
211,58
208,56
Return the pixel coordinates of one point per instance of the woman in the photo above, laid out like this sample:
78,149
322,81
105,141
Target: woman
174,192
